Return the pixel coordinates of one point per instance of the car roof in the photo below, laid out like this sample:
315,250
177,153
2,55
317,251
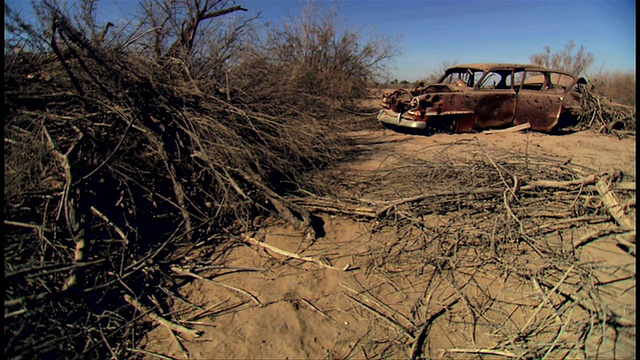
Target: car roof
488,66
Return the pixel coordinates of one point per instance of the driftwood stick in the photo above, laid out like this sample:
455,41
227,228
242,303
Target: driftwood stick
171,325
292,255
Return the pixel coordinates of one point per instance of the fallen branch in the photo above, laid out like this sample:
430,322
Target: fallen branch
612,204
594,236
182,271
171,325
512,129
416,348
384,317
483,352
106,219
292,255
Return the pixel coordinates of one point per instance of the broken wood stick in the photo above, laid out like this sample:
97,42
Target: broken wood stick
292,255
171,325
185,272
483,352
611,202
586,239
384,317
512,129
106,219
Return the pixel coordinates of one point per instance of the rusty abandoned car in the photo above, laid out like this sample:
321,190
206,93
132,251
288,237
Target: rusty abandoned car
475,97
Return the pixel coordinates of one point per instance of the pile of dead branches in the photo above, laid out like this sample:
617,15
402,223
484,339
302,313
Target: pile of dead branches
600,113
113,158
490,250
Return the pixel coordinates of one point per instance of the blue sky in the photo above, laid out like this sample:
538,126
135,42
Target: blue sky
431,32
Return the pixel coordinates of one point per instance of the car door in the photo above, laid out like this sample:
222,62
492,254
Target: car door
539,101
495,100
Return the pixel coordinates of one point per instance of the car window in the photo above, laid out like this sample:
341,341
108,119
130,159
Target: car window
495,80
559,82
534,80
468,76
515,79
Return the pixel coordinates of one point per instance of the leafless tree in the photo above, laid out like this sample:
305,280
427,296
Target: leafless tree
567,60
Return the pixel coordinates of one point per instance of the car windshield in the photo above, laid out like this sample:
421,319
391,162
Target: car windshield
456,75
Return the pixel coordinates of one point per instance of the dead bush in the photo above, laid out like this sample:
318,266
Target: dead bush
598,112
317,60
123,145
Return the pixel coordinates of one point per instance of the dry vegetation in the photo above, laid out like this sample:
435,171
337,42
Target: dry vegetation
490,244
600,113
125,150
119,148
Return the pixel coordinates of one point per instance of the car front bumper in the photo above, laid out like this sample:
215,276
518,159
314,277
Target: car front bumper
392,118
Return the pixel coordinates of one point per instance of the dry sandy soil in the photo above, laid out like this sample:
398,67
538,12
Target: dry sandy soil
402,285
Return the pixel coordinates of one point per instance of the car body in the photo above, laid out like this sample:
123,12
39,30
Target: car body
474,97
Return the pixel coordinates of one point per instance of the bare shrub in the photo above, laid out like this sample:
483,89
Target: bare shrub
316,59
